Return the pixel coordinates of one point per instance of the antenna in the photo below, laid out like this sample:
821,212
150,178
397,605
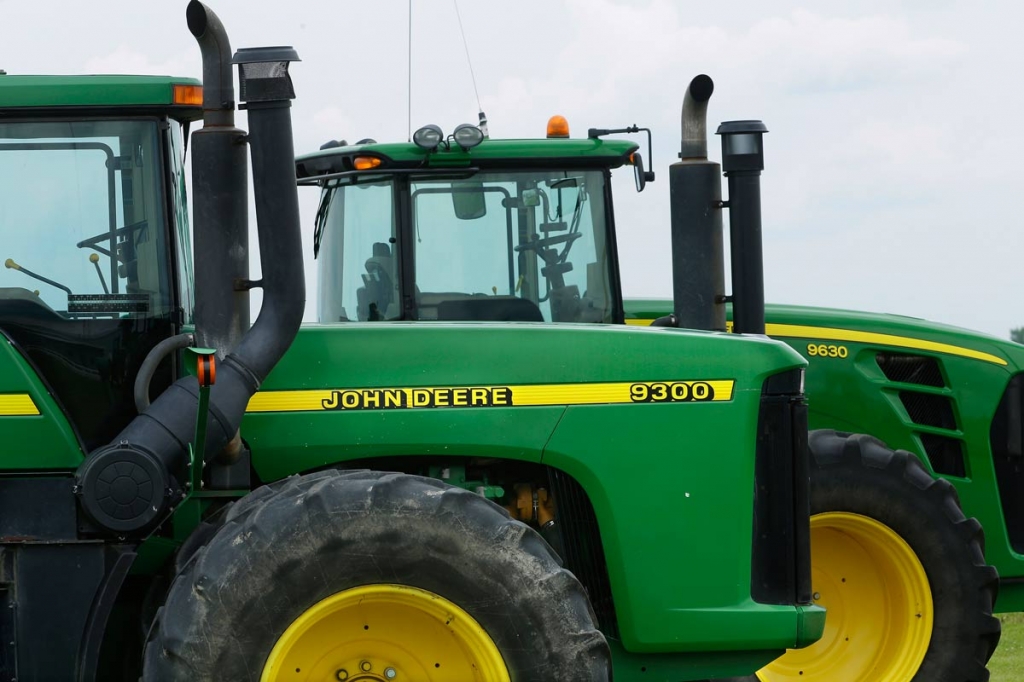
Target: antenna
472,75
409,98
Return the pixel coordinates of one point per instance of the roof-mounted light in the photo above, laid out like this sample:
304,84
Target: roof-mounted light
468,136
428,137
365,162
558,126
189,95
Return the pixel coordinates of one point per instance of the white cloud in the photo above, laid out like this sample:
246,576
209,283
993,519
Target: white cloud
892,163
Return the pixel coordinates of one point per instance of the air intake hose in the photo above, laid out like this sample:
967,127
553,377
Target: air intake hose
129,485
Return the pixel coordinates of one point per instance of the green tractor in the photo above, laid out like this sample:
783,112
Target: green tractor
404,232
186,496
950,400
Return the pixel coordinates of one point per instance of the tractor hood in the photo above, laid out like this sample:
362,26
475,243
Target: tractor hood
832,325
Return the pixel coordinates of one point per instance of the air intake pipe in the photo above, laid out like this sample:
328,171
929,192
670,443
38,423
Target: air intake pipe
743,161
128,486
695,190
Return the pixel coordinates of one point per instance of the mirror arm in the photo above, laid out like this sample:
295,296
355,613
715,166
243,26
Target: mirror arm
595,133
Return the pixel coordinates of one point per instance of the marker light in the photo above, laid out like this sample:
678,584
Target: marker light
428,137
188,94
468,136
558,126
365,162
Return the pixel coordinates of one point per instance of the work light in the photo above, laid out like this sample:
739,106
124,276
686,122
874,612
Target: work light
428,137
468,136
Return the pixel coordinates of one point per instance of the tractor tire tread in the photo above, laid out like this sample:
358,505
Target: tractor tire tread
220,612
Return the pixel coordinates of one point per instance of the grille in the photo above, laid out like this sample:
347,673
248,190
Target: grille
583,553
911,369
945,454
929,410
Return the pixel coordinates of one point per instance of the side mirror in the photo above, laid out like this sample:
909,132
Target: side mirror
638,172
469,200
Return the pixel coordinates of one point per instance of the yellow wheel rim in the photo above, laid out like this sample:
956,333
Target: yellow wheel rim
393,633
879,603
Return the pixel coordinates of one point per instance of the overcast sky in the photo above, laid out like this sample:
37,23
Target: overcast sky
893,164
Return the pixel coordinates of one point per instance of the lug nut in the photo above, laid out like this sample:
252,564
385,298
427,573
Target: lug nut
341,674
390,673
816,596
365,666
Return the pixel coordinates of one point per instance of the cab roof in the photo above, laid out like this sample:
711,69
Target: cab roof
20,94
489,154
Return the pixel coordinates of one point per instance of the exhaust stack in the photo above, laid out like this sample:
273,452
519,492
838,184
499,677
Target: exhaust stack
220,207
129,485
695,190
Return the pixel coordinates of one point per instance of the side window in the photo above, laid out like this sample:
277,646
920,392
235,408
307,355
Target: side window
359,261
82,213
44,226
85,293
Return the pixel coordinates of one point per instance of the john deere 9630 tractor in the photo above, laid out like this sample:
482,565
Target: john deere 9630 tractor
463,228
459,499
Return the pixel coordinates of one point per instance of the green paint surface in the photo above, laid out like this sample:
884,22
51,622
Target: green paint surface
678,544
33,442
853,394
47,92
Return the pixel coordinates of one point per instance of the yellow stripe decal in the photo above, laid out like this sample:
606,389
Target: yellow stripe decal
833,334
493,396
17,405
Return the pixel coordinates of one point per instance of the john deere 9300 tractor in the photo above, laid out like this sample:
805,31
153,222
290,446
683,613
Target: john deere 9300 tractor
522,231
453,499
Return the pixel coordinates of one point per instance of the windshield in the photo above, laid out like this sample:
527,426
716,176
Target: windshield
82,217
526,246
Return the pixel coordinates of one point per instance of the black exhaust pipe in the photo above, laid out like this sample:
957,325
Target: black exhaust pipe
695,190
743,161
220,183
129,485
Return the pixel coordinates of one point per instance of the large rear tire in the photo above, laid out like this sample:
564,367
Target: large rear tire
373,576
899,568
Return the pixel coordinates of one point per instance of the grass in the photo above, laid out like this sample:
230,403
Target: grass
1007,664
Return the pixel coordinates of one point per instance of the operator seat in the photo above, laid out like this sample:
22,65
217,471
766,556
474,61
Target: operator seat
376,297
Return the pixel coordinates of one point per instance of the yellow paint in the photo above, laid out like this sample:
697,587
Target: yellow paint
827,350
835,334
361,632
17,405
879,603
529,395
832,334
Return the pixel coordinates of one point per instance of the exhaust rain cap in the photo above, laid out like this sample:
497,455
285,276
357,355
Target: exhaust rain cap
263,73
742,146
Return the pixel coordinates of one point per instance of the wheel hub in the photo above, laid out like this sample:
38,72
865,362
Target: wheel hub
879,603
384,633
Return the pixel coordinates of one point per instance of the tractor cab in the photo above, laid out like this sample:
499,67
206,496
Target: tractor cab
93,214
467,228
